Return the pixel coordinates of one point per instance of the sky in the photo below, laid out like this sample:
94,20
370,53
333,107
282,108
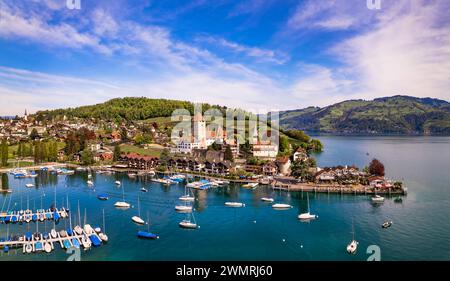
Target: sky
259,55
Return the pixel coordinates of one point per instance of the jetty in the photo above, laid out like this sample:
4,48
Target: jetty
36,242
26,216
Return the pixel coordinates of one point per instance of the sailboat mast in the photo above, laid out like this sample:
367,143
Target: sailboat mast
139,208
79,216
104,231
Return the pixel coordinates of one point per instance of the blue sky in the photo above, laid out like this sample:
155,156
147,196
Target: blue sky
254,54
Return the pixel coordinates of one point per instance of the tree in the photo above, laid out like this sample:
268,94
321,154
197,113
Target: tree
301,169
139,139
164,157
215,146
87,158
34,134
376,168
20,151
117,153
284,145
4,152
4,181
315,145
228,155
298,135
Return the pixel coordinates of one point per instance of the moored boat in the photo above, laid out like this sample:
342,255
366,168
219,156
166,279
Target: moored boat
281,206
234,204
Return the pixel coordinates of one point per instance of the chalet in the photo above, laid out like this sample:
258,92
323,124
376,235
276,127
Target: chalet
300,154
137,161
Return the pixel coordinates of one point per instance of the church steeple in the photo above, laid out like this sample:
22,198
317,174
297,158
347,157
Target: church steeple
26,115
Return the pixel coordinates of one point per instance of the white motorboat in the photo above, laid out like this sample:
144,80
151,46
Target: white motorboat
143,189
88,229
103,236
267,199
28,248
90,183
234,204
118,183
97,230
53,233
378,199
78,230
307,215
386,224
281,206
183,208
86,242
29,185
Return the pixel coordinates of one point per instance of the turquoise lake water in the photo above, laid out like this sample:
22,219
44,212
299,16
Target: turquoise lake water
421,229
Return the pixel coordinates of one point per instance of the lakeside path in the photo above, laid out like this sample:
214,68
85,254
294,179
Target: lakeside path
35,167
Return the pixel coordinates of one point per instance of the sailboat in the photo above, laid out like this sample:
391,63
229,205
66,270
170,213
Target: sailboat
147,234
352,247
234,204
122,204
53,232
188,223
187,196
307,215
103,235
137,219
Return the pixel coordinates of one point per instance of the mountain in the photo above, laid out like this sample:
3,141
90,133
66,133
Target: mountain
396,115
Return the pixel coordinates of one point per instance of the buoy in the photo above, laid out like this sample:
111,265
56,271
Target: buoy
284,240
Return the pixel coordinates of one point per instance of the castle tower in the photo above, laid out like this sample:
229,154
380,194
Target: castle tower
200,130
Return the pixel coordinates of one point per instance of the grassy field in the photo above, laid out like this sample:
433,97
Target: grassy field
154,150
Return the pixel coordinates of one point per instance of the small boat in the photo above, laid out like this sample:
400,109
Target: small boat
95,240
6,249
398,199
143,189
307,215
53,233
78,230
187,224
34,217
183,208
29,185
117,183
103,197
234,204
90,183
122,204
386,224
103,236
88,229
67,244
377,199
38,246
28,248
353,245
250,185
281,206
86,242
147,235
63,233
75,243
97,230
47,247
267,199
137,219
187,198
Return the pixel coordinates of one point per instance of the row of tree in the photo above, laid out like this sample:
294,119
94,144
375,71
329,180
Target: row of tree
4,153
45,152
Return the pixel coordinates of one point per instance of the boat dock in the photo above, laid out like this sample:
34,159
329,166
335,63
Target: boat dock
39,240
29,216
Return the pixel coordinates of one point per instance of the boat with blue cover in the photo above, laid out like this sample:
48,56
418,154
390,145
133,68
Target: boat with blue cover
38,246
147,235
67,244
34,217
75,243
103,197
95,240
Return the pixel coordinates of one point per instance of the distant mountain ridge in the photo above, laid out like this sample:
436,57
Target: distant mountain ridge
396,115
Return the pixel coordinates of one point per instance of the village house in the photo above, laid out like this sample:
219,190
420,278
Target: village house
137,161
265,150
270,169
284,165
300,154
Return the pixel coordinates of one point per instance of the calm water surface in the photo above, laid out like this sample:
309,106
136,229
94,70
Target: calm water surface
421,229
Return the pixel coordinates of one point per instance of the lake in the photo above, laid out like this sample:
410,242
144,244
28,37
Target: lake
420,229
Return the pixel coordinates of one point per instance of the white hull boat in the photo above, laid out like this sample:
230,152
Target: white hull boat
306,216
137,220
29,185
188,224
377,199
182,208
187,198
122,204
352,247
234,204
117,183
267,199
280,206
53,233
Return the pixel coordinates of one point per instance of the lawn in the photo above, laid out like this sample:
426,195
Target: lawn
154,150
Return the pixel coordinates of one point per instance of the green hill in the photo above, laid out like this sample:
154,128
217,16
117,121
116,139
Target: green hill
397,115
